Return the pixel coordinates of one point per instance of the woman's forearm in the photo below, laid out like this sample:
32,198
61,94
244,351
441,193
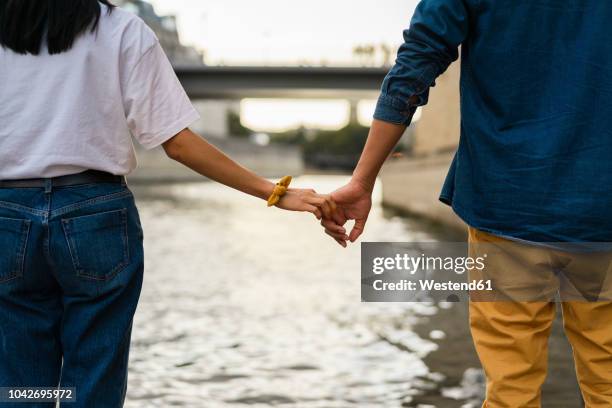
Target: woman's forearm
382,139
196,153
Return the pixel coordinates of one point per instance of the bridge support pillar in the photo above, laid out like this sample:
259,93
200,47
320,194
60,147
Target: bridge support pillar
354,113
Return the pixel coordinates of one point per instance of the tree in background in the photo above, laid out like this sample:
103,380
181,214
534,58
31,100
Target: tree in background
338,149
235,127
370,54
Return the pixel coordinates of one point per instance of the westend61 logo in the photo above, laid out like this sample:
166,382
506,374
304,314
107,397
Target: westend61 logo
414,272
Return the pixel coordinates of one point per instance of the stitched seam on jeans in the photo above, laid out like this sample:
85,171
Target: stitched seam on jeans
19,207
20,264
124,262
126,236
89,202
24,246
72,248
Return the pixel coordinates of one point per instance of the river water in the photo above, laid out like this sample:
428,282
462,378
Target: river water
245,306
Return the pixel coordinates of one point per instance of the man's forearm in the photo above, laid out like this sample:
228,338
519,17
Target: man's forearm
382,139
202,157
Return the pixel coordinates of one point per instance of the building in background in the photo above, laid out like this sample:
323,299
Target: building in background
214,113
166,31
413,183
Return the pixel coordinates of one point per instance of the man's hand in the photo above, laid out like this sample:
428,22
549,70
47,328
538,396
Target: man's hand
355,199
354,202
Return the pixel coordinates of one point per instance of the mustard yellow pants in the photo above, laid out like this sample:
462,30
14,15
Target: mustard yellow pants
511,337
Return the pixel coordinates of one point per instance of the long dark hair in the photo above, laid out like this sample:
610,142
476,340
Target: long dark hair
25,25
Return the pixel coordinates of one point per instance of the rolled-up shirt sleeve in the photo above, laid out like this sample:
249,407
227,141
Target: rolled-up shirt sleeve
430,45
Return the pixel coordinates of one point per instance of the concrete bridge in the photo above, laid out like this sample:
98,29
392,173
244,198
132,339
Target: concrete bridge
281,82
235,83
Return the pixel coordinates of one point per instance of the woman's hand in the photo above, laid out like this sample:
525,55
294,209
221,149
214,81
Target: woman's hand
299,199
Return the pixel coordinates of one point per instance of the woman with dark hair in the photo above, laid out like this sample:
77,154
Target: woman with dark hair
77,78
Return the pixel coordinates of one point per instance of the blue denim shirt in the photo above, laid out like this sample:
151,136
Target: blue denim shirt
534,160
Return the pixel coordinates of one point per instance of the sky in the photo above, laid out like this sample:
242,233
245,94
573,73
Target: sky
289,32
282,32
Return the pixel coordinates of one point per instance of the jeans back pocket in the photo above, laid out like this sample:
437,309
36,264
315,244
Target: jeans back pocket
98,243
13,243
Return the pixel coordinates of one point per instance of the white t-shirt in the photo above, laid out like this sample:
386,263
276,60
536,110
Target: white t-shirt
66,113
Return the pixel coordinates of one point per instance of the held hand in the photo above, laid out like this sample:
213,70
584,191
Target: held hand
354,203
299,199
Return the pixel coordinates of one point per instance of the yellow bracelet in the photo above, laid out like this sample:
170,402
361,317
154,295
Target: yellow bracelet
280,189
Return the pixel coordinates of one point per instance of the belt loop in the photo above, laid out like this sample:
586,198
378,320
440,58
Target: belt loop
48,185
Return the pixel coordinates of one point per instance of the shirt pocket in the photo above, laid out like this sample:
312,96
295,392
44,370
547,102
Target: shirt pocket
98,244
13,242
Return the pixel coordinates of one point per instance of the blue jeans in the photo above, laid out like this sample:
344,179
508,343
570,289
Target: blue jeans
71,270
